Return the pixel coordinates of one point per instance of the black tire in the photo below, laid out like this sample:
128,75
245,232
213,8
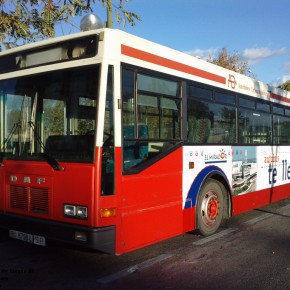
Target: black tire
210,207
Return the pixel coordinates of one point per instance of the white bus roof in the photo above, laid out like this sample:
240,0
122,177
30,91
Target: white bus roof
127,48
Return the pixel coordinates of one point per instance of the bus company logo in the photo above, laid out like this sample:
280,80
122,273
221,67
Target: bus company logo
221,157
232,81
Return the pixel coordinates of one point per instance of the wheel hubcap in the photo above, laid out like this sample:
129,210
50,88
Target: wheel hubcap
210,208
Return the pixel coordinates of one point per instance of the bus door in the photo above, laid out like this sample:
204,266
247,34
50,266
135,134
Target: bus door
108,150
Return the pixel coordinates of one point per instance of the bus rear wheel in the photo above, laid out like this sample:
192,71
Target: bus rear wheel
210,207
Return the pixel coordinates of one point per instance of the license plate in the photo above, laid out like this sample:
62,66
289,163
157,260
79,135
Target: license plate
32,239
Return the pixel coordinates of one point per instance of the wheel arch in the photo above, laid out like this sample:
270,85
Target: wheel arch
210,172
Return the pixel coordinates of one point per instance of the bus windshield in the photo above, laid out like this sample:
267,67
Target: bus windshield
51,114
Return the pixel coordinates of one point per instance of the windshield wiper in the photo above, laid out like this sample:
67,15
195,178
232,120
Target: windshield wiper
22,135
52,161
23,121
48,157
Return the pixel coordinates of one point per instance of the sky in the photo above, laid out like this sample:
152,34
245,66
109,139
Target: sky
259,30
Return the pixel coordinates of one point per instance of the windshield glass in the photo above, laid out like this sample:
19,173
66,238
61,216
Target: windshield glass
51,114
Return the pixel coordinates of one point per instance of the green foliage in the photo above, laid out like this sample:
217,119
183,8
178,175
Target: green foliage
285,86
23,21
122,16
230,61
54,118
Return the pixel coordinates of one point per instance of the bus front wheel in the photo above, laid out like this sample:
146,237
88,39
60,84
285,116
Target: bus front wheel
210,207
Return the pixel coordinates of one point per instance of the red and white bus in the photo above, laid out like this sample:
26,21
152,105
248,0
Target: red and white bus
112,142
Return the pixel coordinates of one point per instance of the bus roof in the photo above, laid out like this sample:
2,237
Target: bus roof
141,52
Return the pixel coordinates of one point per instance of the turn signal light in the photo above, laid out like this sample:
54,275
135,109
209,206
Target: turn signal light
108,212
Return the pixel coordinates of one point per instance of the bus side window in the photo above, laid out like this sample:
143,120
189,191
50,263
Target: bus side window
135,151
210,122
254,127
198,130
151,109
281,129
198,122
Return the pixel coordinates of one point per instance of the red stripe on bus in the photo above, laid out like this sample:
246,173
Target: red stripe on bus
279,98
155,59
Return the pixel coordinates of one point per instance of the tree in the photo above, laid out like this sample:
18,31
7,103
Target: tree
231,61
23,21
285,86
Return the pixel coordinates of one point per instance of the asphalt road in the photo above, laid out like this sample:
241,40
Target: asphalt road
250,252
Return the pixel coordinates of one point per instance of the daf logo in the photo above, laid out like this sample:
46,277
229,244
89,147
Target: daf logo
27,179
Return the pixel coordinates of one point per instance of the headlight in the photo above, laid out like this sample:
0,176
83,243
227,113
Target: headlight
69,210
75,211
82,212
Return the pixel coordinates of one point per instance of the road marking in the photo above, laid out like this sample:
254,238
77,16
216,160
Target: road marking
130,270
258,219
123,273
215,236
231,230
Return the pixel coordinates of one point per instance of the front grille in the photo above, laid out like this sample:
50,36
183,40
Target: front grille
19,197
29,199
39,200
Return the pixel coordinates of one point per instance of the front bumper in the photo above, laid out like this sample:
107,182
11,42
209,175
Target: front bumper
101,239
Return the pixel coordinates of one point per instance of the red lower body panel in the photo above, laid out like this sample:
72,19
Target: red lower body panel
245,202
